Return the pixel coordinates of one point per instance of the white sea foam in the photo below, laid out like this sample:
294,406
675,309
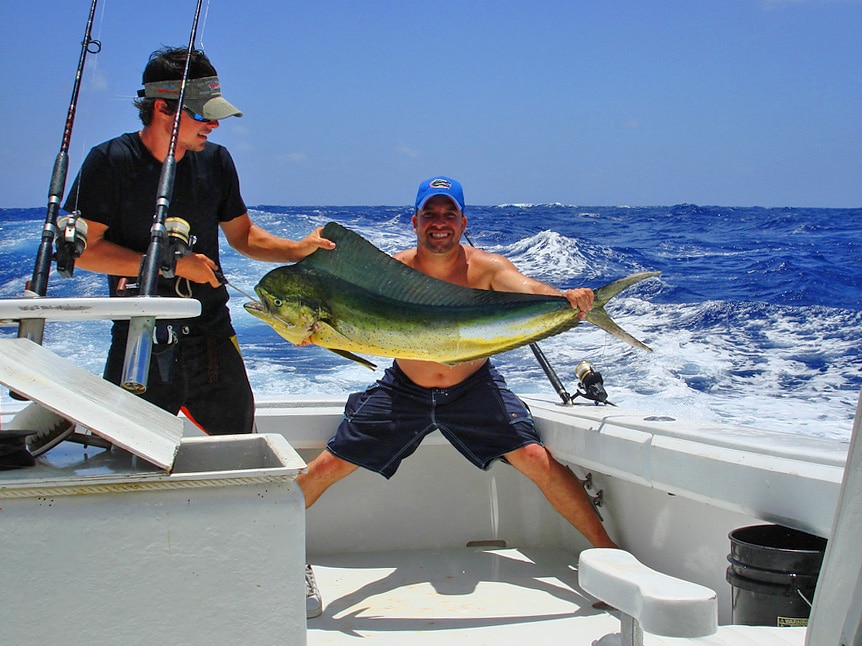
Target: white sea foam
732,359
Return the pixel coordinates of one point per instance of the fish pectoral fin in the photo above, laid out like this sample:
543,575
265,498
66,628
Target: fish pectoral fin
354,357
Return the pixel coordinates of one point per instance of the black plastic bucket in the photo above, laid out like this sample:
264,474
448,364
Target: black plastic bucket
773,573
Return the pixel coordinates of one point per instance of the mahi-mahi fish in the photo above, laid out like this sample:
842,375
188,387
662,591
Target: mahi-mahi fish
357,299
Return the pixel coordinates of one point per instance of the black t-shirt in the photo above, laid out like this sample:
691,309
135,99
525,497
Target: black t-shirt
117,187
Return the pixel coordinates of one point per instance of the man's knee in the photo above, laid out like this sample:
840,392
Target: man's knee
531,458
328,467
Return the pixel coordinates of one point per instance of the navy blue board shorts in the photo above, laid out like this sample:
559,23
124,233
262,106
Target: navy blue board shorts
481,417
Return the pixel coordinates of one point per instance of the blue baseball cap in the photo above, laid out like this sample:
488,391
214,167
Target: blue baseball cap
440,185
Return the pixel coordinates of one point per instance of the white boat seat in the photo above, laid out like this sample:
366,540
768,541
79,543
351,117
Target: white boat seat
658,603
654,605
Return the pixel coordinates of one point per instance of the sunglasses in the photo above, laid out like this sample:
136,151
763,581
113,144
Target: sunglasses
198,117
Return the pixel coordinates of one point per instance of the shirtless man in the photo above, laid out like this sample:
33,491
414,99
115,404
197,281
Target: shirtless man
468,403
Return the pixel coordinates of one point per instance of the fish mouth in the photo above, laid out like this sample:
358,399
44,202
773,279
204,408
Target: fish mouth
255,307
261,311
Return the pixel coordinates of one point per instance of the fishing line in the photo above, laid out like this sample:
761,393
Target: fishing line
93,74
224,281
204,27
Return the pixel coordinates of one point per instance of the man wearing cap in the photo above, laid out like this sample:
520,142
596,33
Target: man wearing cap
469,403
196,363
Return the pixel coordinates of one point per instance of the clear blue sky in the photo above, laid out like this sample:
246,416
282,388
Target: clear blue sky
588,102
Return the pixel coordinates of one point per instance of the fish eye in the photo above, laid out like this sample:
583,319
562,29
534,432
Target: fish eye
277,302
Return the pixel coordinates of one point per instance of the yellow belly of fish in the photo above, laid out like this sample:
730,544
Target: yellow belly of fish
444,344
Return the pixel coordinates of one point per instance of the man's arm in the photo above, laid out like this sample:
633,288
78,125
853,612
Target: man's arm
505,277
105,257
254,242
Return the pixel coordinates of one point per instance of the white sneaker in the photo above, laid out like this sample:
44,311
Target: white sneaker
313,600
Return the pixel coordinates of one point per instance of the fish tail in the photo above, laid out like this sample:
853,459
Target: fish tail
598,317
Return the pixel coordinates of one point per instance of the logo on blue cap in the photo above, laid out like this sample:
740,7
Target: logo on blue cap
440,186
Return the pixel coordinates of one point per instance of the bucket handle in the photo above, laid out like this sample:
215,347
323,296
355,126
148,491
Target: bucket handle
799,592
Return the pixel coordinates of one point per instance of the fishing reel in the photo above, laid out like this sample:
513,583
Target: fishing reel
178,244
590,384
71,242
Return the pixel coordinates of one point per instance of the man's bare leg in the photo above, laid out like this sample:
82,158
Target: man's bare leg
323,471
563,491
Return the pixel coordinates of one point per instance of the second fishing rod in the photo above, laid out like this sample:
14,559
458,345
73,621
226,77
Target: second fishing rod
170,238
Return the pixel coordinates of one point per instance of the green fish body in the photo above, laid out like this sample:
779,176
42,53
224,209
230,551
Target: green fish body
356,299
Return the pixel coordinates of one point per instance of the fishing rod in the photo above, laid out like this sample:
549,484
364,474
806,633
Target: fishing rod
590,382
550,373
73,240
166,244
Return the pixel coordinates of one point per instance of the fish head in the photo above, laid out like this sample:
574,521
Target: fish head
283,306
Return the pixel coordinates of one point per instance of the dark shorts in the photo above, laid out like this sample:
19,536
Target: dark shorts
481,417
203,375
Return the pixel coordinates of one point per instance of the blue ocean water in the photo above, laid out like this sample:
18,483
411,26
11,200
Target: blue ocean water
756,319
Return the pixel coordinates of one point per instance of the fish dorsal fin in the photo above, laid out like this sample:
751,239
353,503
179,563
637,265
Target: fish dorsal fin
359,262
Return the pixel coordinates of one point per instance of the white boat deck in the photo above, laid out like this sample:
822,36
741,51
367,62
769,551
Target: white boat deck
480,596
475,595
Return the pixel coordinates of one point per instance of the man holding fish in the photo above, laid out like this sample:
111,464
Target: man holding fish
468,402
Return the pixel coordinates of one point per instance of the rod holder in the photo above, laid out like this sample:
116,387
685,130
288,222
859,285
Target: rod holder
139,349
32,329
